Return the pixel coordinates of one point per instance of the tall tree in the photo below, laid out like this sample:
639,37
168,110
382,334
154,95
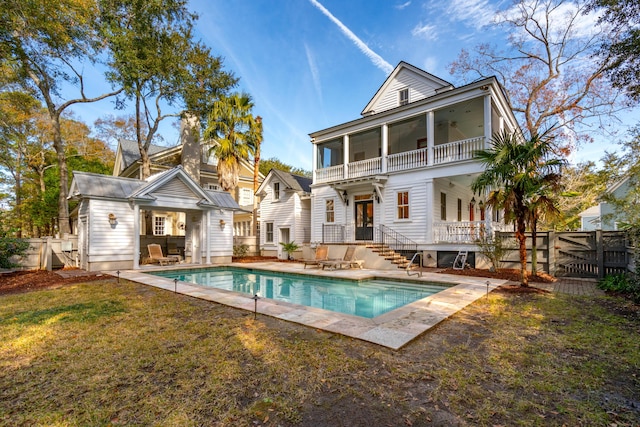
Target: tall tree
163,70
515,168
267,164
44,45
548,69
622,43
236,134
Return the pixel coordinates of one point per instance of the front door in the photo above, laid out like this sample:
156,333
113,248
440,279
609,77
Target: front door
364,220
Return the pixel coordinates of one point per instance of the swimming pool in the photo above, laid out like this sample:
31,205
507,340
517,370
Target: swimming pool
365,298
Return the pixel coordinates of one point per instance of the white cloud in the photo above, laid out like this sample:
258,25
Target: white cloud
376,59
402,6
315,75
473,13
425,31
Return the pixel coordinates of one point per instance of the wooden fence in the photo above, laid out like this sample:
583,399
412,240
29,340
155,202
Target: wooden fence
592,254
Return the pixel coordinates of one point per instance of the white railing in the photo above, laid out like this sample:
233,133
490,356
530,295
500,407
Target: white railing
332,173
463,231
457,151
407,160
364,167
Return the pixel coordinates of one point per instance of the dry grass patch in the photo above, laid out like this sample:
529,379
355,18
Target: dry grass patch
108,354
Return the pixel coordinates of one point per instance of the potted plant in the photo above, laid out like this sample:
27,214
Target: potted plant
290,248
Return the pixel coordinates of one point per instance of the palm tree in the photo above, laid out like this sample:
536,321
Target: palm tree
516,169
236,133
542,205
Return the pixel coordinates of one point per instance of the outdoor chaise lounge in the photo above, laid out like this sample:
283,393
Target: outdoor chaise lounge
349,260
322,254
155,255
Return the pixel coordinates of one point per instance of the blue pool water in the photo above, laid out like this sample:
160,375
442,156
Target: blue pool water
364,298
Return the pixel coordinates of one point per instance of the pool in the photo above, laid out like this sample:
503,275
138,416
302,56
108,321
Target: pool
367,298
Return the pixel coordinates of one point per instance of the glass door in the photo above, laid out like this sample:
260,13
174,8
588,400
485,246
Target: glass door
364,220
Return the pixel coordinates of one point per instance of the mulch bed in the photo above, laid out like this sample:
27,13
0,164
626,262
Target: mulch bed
24,281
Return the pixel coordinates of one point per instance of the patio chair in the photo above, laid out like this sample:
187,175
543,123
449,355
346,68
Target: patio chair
155,254
322,254
348,260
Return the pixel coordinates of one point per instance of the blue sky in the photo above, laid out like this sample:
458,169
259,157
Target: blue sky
312,64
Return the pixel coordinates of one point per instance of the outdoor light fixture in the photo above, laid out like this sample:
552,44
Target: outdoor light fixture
473,201
345,197
481,204
255,299
222,224
113,220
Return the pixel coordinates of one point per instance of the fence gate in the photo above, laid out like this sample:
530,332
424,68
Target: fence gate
590,253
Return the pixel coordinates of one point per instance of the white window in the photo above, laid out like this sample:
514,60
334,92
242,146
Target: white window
159,225
443,206
276,191
268,238
403,204
403,96
207,155
210,186
246,197
329,210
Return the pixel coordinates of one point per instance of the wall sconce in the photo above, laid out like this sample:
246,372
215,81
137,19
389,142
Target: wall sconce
222,224
113,220
473,201
345,198
481,205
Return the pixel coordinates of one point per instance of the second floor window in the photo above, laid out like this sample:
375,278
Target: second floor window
329,210
403,205
276,191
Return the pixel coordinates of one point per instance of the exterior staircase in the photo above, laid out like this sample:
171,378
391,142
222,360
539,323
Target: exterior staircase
390,255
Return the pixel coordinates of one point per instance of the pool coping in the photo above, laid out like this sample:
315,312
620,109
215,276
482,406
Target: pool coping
393,329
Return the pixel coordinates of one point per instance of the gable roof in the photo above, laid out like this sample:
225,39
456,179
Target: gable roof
131,153
420,83
291,182
92,185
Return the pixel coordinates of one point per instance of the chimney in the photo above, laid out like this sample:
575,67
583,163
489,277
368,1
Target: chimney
191,150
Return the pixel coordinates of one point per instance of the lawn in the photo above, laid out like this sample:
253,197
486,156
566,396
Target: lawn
103,353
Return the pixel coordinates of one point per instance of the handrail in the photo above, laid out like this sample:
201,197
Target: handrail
419,272
385,236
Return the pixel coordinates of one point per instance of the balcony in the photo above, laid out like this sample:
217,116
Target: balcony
451,152
464,231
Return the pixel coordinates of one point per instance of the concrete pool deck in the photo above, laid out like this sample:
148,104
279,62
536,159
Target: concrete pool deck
394,329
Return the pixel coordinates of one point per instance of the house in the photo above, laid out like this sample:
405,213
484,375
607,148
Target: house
401,174
285,211
197,161
110,217
603,216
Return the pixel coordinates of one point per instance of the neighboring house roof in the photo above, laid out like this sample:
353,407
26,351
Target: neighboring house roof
291,182
92,185
131,153
592,211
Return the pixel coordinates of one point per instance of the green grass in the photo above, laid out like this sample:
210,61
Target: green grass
109,354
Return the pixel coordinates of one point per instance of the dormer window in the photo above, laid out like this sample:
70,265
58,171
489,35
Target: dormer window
403,96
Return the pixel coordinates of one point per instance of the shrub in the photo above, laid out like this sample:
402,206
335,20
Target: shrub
627,284
11,247
240,250
494,249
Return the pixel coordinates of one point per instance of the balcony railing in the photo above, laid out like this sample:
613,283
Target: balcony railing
445,153
464,231
364,167
457,151
407,160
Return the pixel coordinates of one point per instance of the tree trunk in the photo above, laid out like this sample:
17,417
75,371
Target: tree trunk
256,171
534,246
63,208
522,243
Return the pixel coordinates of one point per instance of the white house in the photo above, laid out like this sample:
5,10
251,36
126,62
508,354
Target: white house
603,216
195,223
401,173
285,211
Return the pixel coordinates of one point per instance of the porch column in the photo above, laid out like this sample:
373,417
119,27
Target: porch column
136,237
488,132
314,161
385,148
345,161
430,138
429,211
207,236
204,233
